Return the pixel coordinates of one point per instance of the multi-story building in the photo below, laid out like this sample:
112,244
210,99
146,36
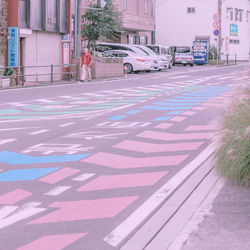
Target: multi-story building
138,21
37,31
180,22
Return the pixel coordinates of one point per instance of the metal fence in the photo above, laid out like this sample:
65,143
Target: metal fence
39,74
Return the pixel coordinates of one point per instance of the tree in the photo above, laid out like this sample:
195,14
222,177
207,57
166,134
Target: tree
101,24
3,30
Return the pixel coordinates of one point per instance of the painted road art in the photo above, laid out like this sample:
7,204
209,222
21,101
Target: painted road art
94,179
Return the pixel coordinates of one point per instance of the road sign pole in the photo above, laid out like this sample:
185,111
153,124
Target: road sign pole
218,51
220,22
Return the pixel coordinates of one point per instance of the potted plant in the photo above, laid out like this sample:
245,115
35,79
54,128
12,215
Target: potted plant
8,78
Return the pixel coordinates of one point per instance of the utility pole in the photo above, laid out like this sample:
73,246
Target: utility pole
219,42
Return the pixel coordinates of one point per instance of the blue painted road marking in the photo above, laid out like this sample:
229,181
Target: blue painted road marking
117,118
163,118
166,108
133,112
175,113
18,159
25,174
176,104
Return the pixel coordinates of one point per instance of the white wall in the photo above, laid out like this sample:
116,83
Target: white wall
43,49
174,26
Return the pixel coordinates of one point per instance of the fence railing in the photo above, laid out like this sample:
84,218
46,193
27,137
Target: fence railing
39,74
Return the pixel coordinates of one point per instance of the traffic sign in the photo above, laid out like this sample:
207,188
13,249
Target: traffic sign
216,17
216,25
216,32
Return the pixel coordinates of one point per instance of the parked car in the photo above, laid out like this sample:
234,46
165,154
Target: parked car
182,55
132,61
161,62
127,47
164,52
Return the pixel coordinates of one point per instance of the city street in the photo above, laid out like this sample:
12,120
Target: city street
84,166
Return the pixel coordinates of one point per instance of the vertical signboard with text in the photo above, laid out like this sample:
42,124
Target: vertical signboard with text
200,52
13,47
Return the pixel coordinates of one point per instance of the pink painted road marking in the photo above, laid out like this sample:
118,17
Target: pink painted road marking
85,210
120,161
174,137
189,113
59,175
14,197
145,147
53,242
201,128
178,119
123,181
164,125
198,108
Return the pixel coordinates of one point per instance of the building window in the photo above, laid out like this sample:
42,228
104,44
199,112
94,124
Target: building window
231,15
240,15
190,10
234,41
146,6
125,4
127,38
236,14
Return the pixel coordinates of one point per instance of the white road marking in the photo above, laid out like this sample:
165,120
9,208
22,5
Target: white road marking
6,141
83,177
58,190
13,129
225,77
139,215
19,214
67,124
6,210
177,77
39,132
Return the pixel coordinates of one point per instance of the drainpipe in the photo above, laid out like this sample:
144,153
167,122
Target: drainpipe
75,30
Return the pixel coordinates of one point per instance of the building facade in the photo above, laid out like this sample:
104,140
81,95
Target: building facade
41,27
180,22
138,21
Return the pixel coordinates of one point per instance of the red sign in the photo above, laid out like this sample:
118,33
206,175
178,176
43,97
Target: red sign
216,17
216,25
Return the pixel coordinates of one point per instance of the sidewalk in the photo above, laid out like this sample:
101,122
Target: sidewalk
227,225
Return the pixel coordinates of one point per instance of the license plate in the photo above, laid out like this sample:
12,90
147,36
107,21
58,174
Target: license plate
183,62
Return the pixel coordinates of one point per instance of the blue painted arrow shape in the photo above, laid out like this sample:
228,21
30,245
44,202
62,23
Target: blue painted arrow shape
18,159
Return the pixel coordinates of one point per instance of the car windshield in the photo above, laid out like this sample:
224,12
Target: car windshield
149,51
183,50
156,49
139,51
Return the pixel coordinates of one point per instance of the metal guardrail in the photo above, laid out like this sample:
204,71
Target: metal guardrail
20,74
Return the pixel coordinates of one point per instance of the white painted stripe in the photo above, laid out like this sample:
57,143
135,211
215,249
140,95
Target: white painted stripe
24,212
83,177
177,77
58,190
13,129
139,215
6,210
67,124
39,132
225,77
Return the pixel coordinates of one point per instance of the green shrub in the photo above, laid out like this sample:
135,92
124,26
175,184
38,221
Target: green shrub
233,153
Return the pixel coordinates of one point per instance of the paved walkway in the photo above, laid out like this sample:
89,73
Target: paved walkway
227,226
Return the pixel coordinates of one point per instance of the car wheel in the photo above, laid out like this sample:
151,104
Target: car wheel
185,65
129,68
191,65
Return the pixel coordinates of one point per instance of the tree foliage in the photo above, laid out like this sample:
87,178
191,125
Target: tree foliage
101,25
3,29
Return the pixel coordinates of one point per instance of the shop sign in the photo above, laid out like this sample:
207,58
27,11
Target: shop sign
13,47
66,53
234,29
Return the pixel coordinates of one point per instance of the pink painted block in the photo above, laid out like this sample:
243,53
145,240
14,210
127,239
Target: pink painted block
123,181
189,113
85,210
198,108
53,242
14,197
174,137
121,162
145,147
201,128
164,125
177,119
59,175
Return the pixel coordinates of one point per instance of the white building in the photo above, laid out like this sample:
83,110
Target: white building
180,22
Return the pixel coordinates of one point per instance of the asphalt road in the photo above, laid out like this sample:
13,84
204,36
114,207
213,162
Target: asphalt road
81,165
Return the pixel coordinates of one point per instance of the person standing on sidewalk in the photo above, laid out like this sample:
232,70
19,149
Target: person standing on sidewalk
86,65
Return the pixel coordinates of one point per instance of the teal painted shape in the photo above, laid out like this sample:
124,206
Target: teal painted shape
9,111
19,159
25,174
